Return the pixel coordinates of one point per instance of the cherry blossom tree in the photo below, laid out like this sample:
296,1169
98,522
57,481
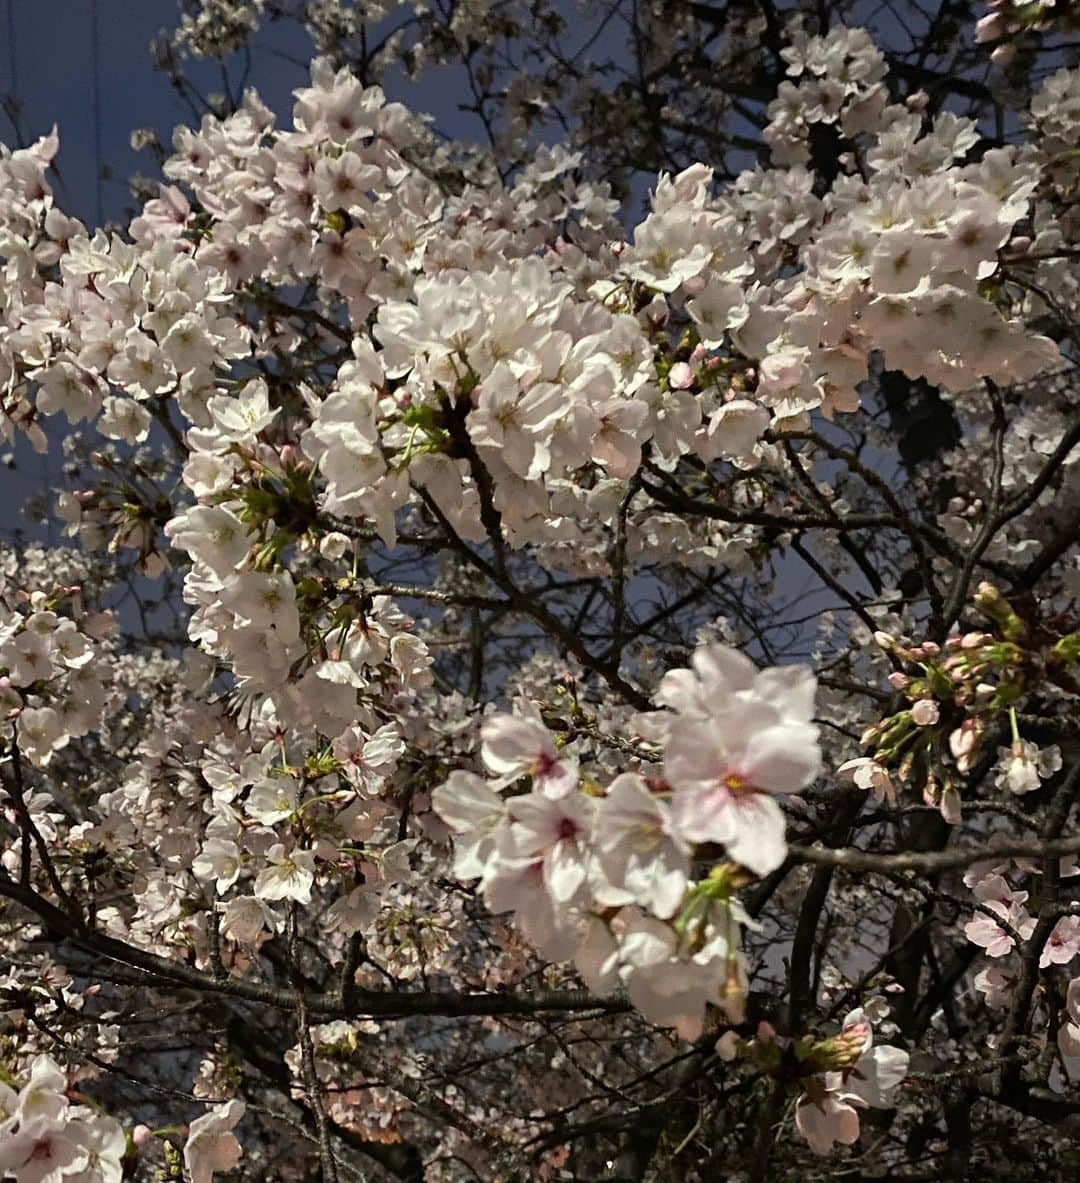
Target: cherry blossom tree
538,687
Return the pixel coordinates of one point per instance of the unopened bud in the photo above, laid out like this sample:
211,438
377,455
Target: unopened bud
993,604
925,712
1067,649
951,806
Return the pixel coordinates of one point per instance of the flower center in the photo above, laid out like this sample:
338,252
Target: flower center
568,829
737,785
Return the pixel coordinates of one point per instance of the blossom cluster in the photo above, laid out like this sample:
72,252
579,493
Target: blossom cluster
1002,925
312,365
510,327
834,1077
612,876
1006,22
44,1138
959,693
52,681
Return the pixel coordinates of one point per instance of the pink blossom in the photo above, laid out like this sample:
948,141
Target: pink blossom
211,1146
925,712
829,1119
982,930
1063,944
868,774
515,746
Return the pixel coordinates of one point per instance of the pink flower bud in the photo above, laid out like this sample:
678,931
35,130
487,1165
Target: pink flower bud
962,740
680,376
990,27
925,712
1004,54
951,806
727,1046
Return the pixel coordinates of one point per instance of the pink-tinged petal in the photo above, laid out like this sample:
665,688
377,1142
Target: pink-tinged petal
825,1122
564,872
680,691
40,1151
465,801
703,814
695,755
876,1073
509,883
512,745
211,1146
757,839
597,957
667,889
790,689
557,778
856,1020
783,759
722,672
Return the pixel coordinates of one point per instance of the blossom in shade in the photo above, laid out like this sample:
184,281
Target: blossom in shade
211,1145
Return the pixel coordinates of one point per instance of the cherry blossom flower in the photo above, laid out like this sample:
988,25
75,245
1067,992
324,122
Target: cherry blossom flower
211,1146
998,898
1063,944
246,918
1068,1036
515,746
289,876
42,1151
997,986
637,850
555,831
860,1075
539,419
827,1120
478,818
868,774
1022,767
758,742
103,1141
